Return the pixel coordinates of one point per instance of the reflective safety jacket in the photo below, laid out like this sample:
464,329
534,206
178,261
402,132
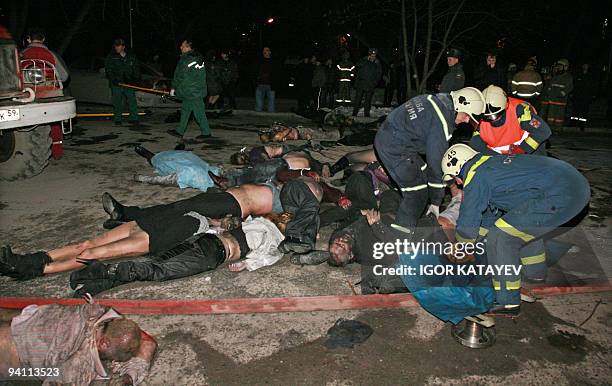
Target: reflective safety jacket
521,127
560,88
527,83
504,182
190,76
345,71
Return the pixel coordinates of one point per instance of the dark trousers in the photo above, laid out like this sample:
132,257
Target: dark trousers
366,95
209,204
228,95
298,200
256,174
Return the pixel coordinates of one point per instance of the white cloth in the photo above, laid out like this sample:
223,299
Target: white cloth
263,238
452,210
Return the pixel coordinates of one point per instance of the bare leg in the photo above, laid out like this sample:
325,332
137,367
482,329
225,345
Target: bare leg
73,250
136,244
362,156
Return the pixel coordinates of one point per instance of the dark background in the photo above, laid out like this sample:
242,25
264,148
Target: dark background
578,31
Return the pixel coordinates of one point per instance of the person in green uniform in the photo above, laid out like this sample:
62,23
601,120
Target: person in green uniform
122,66
189,85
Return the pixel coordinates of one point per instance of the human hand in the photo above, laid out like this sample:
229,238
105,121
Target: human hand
372,215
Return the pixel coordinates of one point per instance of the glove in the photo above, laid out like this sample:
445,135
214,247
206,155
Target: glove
137,368
435,209
172,92
514,149
92,279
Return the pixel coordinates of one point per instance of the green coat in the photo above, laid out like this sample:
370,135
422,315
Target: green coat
190,76
121,69
560,87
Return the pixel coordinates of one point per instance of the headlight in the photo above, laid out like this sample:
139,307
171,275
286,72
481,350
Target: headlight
34,75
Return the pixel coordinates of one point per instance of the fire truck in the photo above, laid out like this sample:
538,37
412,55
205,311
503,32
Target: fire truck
34,113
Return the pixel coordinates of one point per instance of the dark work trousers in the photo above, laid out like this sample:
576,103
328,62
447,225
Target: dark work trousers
298,200
366,95
360,190
407,169
228,96
256,174
187,259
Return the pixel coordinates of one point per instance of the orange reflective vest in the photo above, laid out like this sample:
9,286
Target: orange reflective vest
500,138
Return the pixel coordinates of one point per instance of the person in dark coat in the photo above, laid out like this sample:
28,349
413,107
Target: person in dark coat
585,90
228,75
368,72
490,73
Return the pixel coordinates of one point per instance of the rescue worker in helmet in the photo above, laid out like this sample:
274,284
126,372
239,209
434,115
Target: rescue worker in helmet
510,126
423,125
531,195
557,93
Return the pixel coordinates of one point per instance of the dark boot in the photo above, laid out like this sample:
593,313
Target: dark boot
22,267
95,277
112,207
340,165
291,244
310,258
144,152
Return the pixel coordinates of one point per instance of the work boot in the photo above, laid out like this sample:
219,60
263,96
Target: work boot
22,267
220,181
291,244
144,152
310,258
174,133
340,165
94,278
112,207
510,310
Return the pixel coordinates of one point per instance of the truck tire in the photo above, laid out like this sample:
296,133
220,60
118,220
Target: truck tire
24,154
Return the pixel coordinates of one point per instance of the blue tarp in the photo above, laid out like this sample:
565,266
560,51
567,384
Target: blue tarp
447,298
191,170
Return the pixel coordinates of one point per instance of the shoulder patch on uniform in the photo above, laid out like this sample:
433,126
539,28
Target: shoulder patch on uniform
535,123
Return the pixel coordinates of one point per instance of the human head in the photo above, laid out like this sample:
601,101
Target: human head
372,53
562,65
454,158
341,248
585,67
267,52
532,62
186,46
119,46
240,158
36,35
258,154
118,340
512,67
453,55
495,102
225,54
491,59
468,102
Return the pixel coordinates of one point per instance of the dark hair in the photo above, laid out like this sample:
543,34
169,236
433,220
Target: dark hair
239,158
36,34
189,42
119,42
116,331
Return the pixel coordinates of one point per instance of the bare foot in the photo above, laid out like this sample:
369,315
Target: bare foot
237,267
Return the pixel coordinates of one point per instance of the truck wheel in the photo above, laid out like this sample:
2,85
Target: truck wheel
24,154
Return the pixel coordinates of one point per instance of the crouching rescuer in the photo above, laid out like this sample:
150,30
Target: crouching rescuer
514,200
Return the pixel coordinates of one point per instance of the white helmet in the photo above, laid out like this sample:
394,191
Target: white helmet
495,102
454,158
468,100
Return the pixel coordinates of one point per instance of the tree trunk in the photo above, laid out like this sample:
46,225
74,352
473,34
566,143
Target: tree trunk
76,26
405,47
17,18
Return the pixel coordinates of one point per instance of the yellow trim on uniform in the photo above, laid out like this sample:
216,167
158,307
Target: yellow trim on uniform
532,142
476,133
483,231
512,231
531,260
513,285
441,116
462,239
496,285
526,113
472,171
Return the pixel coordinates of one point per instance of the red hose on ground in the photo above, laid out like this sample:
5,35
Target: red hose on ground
270,305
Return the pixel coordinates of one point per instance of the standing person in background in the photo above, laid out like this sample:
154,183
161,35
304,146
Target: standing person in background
189,85
585,91
557,94
228,75
303,81
319,78
490,73
455,77
345,76
527,84
510,72
331,78
266,76
368,73
121,66
213,79
37,49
